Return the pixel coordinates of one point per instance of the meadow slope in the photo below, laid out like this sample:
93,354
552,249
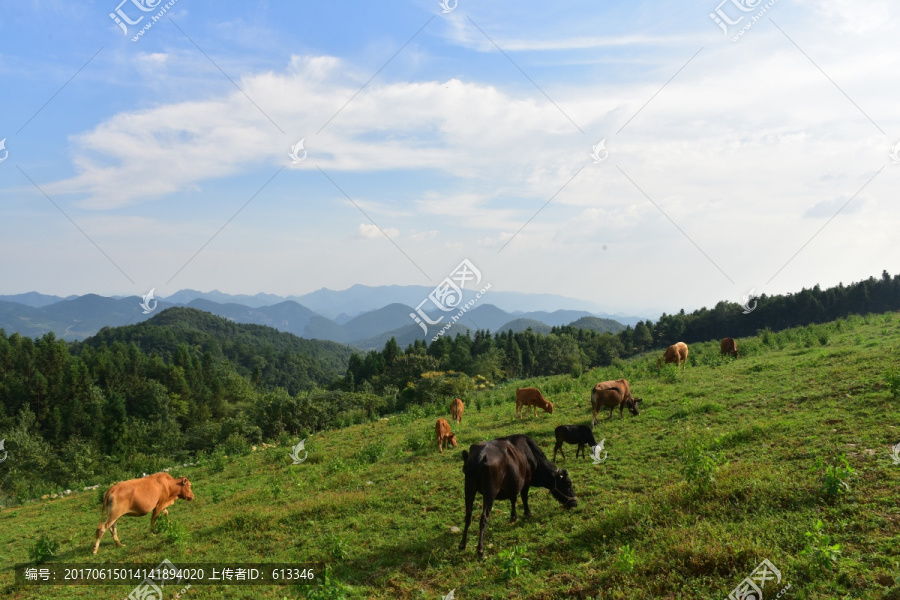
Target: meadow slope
377,502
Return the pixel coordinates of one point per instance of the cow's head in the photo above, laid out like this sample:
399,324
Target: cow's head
550,407
632,405
453,439
184,489
562,489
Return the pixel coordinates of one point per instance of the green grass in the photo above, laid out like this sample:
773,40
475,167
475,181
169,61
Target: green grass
377,502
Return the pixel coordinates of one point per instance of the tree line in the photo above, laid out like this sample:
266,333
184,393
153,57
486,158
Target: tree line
567,349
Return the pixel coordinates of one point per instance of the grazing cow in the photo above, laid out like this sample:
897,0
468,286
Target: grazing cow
611,398
502,469
137,497
456,410
729,346
442,429
676,353
532,397
573,434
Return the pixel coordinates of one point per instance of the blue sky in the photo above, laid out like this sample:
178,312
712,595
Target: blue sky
767,151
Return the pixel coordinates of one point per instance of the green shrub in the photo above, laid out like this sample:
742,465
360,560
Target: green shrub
626,560
834,477
172,532
892,379
669,374
822,554
338,547
699,464
416,441
235,445
42,549
338,465
512,561
328,588
372,452
217,461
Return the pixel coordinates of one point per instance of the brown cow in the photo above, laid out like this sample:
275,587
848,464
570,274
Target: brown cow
729,346
456,410
532,397
137,497
442,430
676,353
612,394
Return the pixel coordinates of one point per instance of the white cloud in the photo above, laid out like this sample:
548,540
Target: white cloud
370,231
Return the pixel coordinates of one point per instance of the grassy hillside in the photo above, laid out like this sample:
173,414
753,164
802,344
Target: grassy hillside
377,502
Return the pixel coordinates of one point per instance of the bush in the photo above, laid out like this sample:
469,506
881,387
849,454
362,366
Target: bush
173,533
822,554
834,477
372,452
699,465
217,462
327,589
419,440
43,549
892,379
512,561
669,374
338,465
235,445
625,563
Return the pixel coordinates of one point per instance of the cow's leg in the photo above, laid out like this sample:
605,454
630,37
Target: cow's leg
441,444
594,419
115,534
580,449
527,509
488,505
621,408
470,501
512,513
558,446
156,512
101,529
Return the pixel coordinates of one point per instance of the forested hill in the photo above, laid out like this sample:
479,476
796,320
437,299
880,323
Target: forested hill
269,357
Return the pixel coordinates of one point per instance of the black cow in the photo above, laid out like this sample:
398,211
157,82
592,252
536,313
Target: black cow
573,434
501,469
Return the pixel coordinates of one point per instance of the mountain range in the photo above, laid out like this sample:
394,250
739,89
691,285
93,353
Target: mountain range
339,318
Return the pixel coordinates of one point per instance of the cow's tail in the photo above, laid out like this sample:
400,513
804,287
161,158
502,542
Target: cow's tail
105,505
465,458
